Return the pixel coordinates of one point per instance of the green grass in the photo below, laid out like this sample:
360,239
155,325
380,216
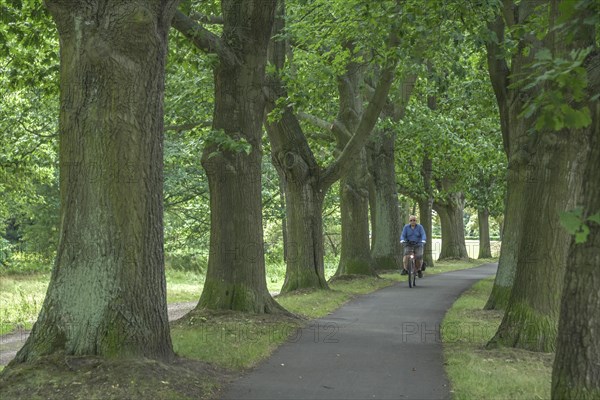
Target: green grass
183,286
21,295
238,341
455,265
318,303
21,298
230,340
478,373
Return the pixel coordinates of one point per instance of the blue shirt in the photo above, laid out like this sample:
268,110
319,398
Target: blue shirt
414,235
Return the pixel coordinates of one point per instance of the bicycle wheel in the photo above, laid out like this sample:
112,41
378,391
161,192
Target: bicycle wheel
411,272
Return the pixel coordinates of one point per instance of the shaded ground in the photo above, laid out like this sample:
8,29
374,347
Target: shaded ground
60,377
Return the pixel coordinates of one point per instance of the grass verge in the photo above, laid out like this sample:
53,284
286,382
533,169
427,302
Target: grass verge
478,373
455,265
213,348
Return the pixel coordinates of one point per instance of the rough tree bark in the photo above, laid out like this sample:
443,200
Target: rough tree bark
235,278
426,208
485,249
304,195
531,316
385,216
576,372
557,161
516,143
450,211
355,255
107,292
386,224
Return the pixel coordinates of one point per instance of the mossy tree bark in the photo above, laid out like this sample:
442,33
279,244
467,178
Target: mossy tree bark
386,225
355,255
107,292
450,211
555,169
576,371
304,195
531,316
510,101
426,208
385,216
511,234
235,278
485,248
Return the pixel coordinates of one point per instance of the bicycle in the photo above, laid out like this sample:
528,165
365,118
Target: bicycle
412,270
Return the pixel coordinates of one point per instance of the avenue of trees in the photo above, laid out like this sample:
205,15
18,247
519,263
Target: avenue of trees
153,130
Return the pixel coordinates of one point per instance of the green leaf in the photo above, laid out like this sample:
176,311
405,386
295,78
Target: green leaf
582,234
543,55
595,218
572,220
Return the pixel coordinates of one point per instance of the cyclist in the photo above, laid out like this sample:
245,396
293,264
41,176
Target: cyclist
413,237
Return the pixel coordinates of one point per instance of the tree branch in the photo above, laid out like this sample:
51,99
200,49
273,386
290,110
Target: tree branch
202,38
499,74
337,127
365,126
316,121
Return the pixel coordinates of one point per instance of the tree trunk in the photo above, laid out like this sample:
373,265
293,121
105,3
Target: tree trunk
304,211
282,185
485,249
295,160
556,163
516,143
300,175
425,209
453,228
235,279
355,257
425,220
511,236
404,211
386,225
107,292
531,317
576,372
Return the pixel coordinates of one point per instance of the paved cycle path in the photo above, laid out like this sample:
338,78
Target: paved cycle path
384,345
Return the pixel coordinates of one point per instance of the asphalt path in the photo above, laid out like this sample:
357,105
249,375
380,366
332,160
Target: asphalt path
384,345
